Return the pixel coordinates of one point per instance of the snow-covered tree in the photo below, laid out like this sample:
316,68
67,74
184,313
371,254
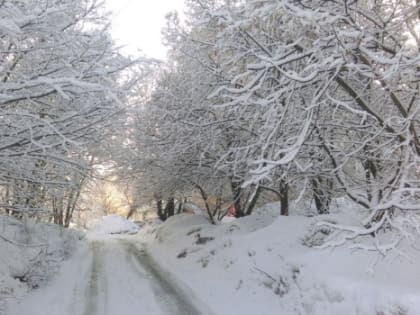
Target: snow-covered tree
61,85
314,98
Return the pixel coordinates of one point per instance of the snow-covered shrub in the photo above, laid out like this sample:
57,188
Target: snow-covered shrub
31,254
279,286
397,310
317,235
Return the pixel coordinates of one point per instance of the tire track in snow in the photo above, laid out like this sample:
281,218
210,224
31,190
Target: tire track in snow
114,286
112,277
171,296
97,283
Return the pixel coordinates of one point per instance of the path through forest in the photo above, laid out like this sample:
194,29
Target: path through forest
111,276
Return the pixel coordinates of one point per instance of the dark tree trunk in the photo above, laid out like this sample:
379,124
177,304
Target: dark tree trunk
170,207
131,211
58,210
322,194
253,200
69,209
180,206
206,203
73,200
371,173
237,191
284,198
418,13
160,211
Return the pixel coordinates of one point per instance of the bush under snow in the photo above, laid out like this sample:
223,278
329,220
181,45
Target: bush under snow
266,264
31,254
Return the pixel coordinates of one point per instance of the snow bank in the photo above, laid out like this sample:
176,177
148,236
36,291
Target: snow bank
267,264
31,254
112,224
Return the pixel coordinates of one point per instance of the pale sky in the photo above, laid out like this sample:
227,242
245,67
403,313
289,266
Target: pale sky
138,23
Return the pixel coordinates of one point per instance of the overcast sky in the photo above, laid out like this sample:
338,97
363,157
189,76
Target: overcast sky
138,24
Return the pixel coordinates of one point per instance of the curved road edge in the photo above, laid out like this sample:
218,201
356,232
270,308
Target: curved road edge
172,290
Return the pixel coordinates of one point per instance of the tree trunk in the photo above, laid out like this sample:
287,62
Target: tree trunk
58,208
131,211
69,209
252,201
180,206
160,211
284,198
170,207
237,191
204,196
322,194
6,198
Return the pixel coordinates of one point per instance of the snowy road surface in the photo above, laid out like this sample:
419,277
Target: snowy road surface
109,278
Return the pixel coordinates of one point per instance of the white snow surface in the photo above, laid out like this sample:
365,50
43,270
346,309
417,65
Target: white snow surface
30,255
261,265
110,276
112,224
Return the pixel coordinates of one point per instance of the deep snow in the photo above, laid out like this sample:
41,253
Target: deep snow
30,255
110,274
266,264
261,264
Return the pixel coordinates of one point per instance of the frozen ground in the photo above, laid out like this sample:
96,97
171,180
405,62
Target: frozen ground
111,274
30,256
263,264
266,264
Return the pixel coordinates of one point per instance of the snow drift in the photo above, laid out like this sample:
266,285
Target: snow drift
31,254
266,264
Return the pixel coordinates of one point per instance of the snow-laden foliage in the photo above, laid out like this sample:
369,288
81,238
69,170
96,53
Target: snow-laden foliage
32,254
61,85
309,98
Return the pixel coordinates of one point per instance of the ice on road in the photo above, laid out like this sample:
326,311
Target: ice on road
110,277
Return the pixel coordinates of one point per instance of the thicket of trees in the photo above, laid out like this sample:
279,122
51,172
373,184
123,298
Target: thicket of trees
312,99
301,98
62,89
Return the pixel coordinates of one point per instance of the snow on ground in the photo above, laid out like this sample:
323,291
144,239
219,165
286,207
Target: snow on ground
112,224
98,280
112,275
267,264
261,264
30,256
64,294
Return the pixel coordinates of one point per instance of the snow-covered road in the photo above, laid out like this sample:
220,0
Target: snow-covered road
110,277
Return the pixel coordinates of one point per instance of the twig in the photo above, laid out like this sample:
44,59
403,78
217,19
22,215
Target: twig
265,273
20,244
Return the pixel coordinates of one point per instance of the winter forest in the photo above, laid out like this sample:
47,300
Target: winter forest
304,113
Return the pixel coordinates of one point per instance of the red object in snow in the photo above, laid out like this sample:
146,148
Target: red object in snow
231,211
